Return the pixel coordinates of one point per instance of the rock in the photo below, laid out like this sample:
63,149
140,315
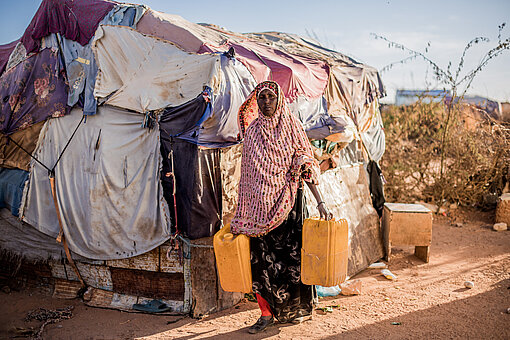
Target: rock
500,226
453,206
351,287
458,225
87,296
503,209
469,284
378,265
389,275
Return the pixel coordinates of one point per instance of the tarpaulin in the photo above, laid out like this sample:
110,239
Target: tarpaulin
198,187
187,35
24,241
31,92
12,155
5,52
107,184
80,62
297,75
12,182
353,91
236,83
76,20
170,77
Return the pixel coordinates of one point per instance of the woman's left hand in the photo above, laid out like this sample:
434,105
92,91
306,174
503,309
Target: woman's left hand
324,212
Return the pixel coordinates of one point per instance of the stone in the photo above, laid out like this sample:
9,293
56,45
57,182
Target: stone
503,209
500,226
469,284
458,225
453,206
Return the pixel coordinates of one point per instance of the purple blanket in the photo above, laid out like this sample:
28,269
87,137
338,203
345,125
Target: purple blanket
31,92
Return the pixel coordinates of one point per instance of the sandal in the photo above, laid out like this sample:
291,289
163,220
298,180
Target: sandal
261,325
301,319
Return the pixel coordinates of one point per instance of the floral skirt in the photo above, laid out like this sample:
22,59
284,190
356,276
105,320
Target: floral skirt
276,267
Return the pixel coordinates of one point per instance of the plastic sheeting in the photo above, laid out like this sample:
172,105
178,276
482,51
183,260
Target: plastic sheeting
107,183
170,77
21,239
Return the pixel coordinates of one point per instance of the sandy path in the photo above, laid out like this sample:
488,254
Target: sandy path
428,300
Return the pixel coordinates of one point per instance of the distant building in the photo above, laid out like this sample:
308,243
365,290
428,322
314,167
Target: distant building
408,97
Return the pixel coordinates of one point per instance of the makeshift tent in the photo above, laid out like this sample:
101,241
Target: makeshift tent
144,145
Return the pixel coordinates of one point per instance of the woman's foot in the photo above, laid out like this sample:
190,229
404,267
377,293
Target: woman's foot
262,323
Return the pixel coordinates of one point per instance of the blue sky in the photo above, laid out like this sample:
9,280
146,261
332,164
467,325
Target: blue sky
346,26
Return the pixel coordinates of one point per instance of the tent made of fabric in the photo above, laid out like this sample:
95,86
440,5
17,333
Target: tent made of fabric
107,185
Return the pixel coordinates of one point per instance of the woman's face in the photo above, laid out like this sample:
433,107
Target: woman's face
267,102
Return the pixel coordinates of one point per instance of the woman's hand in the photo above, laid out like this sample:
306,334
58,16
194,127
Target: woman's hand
324,212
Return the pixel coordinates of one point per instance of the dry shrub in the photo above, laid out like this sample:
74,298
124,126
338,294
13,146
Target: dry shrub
476,156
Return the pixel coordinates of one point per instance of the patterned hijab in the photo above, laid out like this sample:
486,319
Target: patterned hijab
276,157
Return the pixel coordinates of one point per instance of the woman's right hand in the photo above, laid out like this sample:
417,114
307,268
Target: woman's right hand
324,212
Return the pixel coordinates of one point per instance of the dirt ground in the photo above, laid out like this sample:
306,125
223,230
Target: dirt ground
427,301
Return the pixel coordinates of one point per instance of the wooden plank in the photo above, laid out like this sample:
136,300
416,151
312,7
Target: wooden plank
158,285
155,260
230,166
93,275
65,289
422,252
204,281
105,299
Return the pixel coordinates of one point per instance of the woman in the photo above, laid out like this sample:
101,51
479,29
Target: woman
277,157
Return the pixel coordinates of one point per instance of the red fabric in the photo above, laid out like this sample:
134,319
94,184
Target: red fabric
297,75
75,19
263,305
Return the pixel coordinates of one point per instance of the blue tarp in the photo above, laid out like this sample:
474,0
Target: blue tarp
12,182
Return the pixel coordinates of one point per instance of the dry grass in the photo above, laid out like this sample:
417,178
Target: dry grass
477,155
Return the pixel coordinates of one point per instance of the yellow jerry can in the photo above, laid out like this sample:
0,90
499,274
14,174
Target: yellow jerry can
232,254
325,252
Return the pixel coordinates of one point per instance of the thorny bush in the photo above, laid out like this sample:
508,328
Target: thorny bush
477,158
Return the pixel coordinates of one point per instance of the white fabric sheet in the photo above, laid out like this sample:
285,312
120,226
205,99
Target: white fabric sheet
107,182
144,73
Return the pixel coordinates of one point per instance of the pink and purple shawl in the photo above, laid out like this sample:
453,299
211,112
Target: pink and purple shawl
276,157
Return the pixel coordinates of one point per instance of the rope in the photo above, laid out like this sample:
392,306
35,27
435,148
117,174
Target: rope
185,240
35,159
65,147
